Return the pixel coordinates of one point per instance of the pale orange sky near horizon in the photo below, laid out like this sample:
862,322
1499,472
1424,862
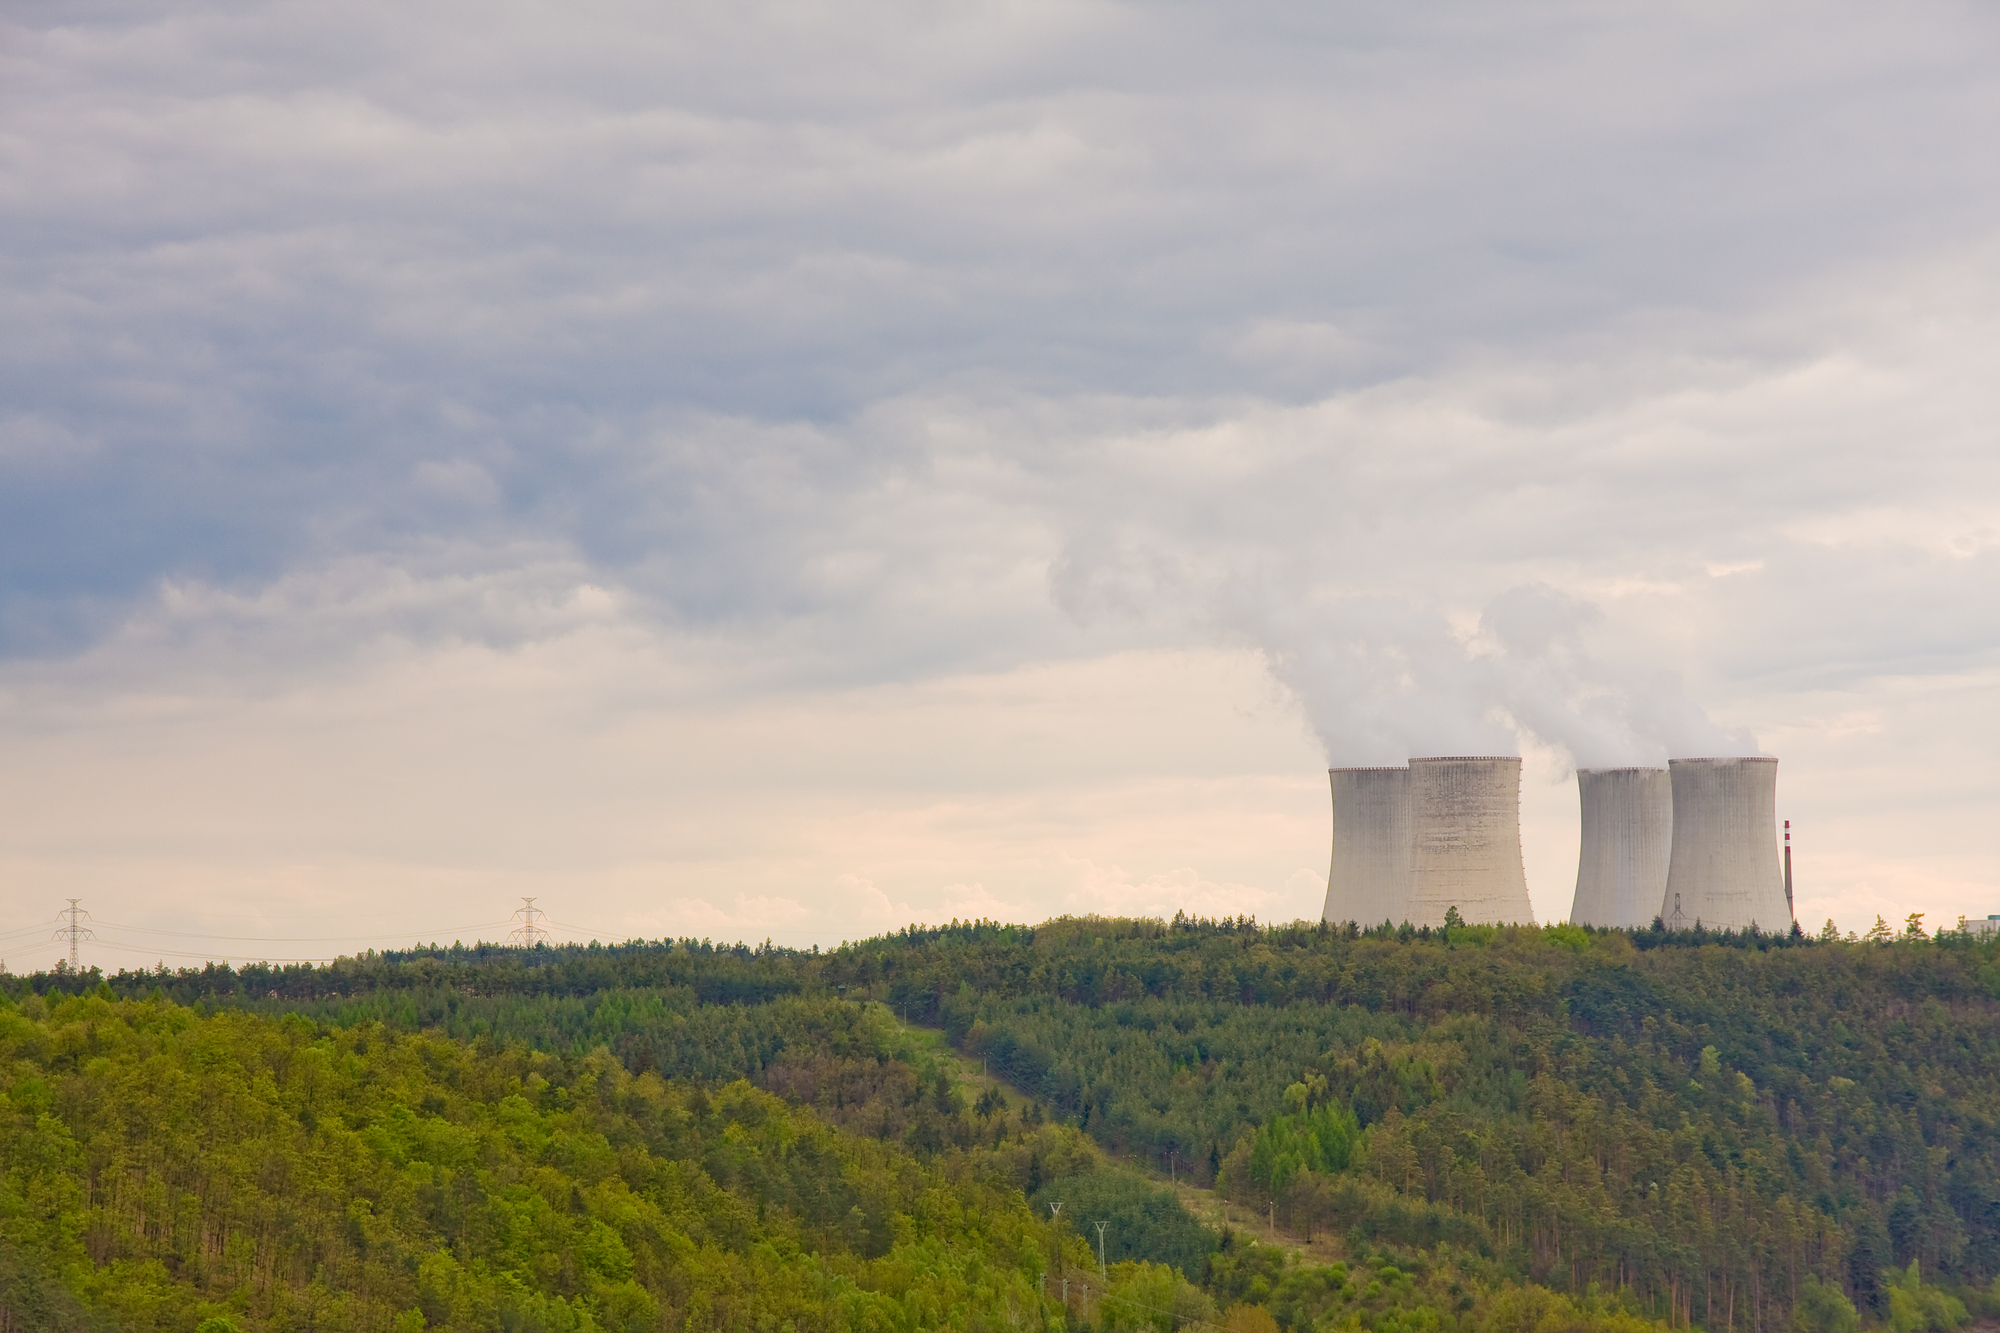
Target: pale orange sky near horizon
430,793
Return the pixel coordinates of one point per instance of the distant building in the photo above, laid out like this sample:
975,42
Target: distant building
1977,927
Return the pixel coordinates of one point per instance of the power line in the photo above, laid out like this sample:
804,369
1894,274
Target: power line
455,932
583,930
74,933
531,928
301,939
156,952
202,957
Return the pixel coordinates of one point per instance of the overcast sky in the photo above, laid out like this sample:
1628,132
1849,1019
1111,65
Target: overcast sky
791,470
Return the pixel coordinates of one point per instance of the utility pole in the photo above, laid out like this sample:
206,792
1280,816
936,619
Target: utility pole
530,932
1100,1252
73,931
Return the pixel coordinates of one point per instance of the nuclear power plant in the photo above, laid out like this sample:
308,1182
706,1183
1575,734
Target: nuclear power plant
1724,872
1465,841
1369,880
1409,844
1695,842
1628,831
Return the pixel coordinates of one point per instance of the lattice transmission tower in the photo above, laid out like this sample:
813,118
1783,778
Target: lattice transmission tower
530,932
73,930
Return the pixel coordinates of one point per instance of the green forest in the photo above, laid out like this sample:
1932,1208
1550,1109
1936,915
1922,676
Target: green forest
1475,1128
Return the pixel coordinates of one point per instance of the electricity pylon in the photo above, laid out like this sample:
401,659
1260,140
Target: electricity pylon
73,931
530,932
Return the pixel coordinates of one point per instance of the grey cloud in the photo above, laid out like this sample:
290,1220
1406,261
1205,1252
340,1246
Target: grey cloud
889,334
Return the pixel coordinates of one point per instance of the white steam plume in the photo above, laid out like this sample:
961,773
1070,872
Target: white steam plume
1385,678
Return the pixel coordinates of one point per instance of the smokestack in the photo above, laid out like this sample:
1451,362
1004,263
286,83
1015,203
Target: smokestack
1628,822
1724,871
1465,840
1790,906
1369,879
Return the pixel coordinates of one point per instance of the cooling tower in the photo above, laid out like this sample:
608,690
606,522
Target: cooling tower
1465,841
1628,829
1369,880
1724,870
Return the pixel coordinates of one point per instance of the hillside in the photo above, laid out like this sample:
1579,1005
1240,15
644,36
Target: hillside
1477,1128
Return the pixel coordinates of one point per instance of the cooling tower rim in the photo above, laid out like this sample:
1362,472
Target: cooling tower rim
1727,759
1371,768
1466,759
1626,768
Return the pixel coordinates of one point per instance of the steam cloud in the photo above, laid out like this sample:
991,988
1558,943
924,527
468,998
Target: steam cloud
1385,678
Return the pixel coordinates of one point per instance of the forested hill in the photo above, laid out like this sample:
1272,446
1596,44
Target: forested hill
1730,1132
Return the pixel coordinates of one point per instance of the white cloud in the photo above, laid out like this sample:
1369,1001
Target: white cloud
518,411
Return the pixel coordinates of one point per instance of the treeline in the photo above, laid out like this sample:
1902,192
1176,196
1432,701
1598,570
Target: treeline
1735,1131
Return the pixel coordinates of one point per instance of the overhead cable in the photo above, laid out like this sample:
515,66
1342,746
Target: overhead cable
302,939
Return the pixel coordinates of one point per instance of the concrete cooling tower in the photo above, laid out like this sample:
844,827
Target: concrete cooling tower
1628,824
1465,841
1724,871
1369,880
